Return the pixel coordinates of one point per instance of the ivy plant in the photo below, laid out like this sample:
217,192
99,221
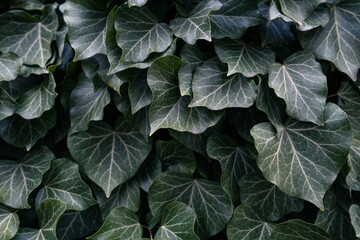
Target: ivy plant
179,119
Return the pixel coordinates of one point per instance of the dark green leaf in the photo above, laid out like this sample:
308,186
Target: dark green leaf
353,160
9,223
148,170
320,17
299,10
355,218
139,92
138,3
10,65
8,105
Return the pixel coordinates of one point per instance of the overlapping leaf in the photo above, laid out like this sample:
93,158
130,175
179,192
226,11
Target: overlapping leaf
9,223
355,218
149,169
353,160
10,65
8,105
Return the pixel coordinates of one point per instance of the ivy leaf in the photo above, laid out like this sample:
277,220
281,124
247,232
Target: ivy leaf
320,17
177,222
247,223
334,219
109,156
86,105
120,224
353,176
304,160
297,229
28,4
8,105
175,157
126,195
38,99
137,3
299,10
9,223
338,42
148,170
233,18
355,218
211,204
139,33
32,37
10,65
170,110
63,182
350,96
25,133
246,58
77,225
48,212
235,162
301,83
213,89
197,25
79,15
272,203
139,92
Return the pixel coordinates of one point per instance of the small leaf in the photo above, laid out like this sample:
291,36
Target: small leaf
177,222
10,65
305,159
246,58
139,33
212,206
121,224
301,83
8,105
109,156
355,218
63,182
197,25
272,203
213,89
247,223
297,230
170,110
9,223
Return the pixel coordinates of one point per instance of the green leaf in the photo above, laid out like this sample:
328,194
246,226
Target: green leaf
38,99
20,178
78,225
353,176
234,18
126,195
10,65
235,162
269,103
86,20
299,10
305,159
297,230
272,203
9,223
48,212
338,41
191,57
197,25
334,219
121,224
212,206
355,218
320,17
213,89
33,35
25,133
86,105
175,157
177,223
8,105
246,58
137,3
301,83
350,96
247,223
28,4
148,170
139,33
139,92
170,110
63,182
109,156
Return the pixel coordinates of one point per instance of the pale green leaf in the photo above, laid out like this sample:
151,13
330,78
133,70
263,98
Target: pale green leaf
301,83
177,223
33,35
197,25
121,224
248,224
169,109
305,159
355,218
246,58
212,205
9,223
10,65
8,105
109,156
213,89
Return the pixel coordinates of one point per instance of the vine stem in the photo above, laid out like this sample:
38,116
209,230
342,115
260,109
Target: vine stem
332,95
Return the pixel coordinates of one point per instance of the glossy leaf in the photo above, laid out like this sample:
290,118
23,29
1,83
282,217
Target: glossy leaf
8,105
299,10
355,219
310,156
10,65
9,223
